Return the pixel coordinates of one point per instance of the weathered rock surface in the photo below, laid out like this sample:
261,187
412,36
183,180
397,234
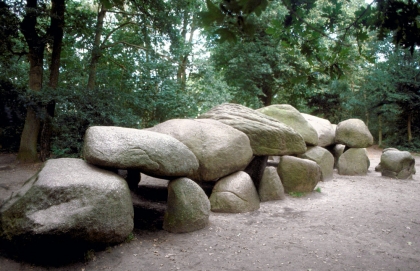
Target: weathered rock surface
354,162
354,134
323,158
397,164
267,135
337,150
290,116
188,207
298,175
270,187
153,153
69,200
324,129
219,148
235,193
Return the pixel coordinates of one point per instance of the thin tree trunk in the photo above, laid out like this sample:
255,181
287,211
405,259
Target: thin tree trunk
380,130
182,66
409,120
56,31
28,142
96,51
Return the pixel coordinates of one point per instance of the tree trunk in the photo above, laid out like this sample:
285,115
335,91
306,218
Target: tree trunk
96,51
29,137
183,60
380,130
267,98
409,120
56,32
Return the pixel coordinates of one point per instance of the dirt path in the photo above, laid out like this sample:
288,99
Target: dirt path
354,223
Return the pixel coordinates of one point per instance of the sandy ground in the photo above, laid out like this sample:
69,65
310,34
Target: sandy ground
354,223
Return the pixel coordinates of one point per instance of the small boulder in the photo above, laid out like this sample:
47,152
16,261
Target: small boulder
188,207
270,187
397,164
152,153
267,136
324,129
290,116
354,134
353,162
298,175
219,148
323,158
235,193
337,150
69,200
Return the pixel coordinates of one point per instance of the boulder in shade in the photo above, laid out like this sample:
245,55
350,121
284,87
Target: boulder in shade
235,193
298,175
267,135
353,162
354,134
323,158
152,153
188,207
270,187
290,116
219,148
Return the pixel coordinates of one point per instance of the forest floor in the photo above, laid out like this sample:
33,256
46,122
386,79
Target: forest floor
353,223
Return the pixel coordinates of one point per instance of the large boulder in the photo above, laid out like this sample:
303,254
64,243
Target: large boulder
298,175
354,134
268,136
153,153
354,162
324,129
235,193
219,148
69,200
188,207
290,116
270,187
397,164
323,158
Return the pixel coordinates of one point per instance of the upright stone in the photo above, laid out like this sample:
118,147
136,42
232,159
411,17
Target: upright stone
353,162
235,193
267,135
290,116
323,158
270,187
298,175
188,207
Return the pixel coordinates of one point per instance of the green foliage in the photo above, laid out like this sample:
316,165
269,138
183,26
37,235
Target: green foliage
296,194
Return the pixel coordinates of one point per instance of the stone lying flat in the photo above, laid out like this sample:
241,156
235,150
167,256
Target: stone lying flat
235,193
153,153
290,116
353,162
397,164
324,129
268,136
323,158
69,199
354,134
188,207
219,148
298,175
